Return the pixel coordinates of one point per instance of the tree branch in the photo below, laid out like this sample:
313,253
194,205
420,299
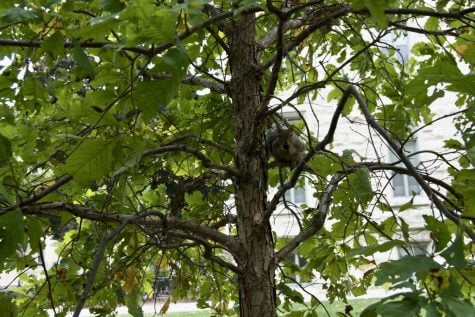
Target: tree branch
199,155
51,209
194,81
318,84
266,40
198,81
218,17
37,196
428,13
302,164
451,32
98,259
318,219
277,64
326,198
269,38
197,138
159,221
336,12
196,228
397,148
375,166
208,254
70,44
47,278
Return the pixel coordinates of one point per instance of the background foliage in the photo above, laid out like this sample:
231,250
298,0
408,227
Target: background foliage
117,137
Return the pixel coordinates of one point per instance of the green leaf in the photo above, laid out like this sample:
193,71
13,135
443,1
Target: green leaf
384,207
471,154
4,197
402,269
407,205
33,93
361,184
54,44
148,23
6,83
34,231
112,5
7,306
324,164
97,28
358,4
195,200
453,144
130,155
133,301
376,8
11,233
371,249
91,161
458,307
153,96
464,183
462,84
84,68
454,254
468,54
432,23
409,305
431,309
439,232
19,14
5,149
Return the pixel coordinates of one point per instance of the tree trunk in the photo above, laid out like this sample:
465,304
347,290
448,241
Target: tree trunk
256,258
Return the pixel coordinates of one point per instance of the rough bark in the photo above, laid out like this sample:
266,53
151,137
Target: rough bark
256,256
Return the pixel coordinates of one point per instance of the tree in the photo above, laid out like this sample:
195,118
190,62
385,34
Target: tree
135,131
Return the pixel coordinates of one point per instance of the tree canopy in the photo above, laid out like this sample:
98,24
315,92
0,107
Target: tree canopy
134,133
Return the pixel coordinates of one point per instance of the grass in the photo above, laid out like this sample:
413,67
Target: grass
183,314
358,306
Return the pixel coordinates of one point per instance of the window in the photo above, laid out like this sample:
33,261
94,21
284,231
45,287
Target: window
400,43
162,286
405,185
293,117
401,46
295,271
295,195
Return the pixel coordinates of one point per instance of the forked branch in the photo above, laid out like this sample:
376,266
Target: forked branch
324,205
399,150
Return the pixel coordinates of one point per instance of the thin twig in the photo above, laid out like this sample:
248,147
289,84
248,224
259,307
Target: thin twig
48,280
37,196
100,254
318,219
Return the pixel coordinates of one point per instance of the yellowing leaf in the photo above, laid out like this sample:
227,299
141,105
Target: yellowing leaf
165,306
130,278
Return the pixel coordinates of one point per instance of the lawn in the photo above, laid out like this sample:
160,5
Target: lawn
184,314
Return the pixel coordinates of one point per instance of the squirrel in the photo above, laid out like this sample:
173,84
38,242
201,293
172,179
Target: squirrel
284,146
